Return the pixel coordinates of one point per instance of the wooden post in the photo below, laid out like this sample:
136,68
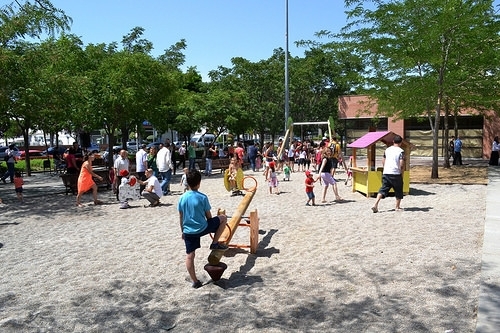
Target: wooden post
254,231
216,255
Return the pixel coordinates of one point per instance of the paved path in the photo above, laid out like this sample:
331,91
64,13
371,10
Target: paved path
488,318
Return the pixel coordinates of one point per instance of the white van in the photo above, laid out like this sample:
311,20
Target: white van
201,140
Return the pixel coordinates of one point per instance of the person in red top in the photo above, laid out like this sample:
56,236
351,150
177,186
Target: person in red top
71,166
18,185
309,188
240,151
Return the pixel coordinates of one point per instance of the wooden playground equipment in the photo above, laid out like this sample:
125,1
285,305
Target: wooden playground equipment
215,268
289,134
368,179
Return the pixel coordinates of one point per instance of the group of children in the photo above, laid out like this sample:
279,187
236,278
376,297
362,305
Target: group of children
326,164
272,179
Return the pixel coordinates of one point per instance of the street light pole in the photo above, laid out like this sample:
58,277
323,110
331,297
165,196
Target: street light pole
286,66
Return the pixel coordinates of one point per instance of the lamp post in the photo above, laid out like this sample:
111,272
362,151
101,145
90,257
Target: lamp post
286,66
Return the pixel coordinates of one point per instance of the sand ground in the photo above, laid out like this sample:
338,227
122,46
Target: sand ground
335,267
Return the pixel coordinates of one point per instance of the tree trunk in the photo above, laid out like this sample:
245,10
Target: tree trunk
446,136
26,151
435,137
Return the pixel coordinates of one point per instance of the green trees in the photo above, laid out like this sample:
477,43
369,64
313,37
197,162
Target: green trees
57,85
126,88
426,57
254,94
316,82
30,19
22,67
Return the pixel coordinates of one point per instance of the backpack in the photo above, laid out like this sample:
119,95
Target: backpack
335,150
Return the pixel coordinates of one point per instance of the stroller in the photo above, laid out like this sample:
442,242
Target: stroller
59,164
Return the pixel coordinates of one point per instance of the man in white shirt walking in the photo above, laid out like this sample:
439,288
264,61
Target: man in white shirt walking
164,164
392,176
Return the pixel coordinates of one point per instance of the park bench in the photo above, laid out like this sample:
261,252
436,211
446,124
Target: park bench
217,164
70,181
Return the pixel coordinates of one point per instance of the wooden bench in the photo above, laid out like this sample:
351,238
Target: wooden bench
218,164
70,181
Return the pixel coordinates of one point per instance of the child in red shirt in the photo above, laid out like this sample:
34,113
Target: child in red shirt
309,188
18,184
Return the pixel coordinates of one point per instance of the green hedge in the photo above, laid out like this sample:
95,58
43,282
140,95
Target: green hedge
36,165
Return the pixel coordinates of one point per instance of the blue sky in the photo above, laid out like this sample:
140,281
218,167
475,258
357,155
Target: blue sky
215,30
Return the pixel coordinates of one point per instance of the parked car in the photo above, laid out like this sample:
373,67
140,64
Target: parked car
130,150
94,148
156,144
2,152
52,150
132,145
32,153
202,140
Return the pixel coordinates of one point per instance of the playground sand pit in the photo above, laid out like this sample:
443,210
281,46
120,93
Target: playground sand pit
333,267
466,175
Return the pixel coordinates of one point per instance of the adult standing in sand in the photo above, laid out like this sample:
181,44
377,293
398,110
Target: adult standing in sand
495,151
141,163
392,176
164,163
85,181
192,155
457,155
10,154
182,156
325,175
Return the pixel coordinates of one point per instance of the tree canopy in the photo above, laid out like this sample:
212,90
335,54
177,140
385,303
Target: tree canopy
421,56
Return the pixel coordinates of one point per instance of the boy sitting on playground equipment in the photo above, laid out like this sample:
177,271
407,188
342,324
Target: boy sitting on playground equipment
196,221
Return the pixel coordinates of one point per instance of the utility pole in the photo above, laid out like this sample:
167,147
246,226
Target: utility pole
287,97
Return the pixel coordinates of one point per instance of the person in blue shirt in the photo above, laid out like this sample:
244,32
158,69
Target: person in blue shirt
457,156
196,221
253,152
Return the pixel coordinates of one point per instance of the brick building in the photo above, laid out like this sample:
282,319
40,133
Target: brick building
357,116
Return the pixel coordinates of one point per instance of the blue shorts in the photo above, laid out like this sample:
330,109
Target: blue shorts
392,181
192,241
310,195
19,190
